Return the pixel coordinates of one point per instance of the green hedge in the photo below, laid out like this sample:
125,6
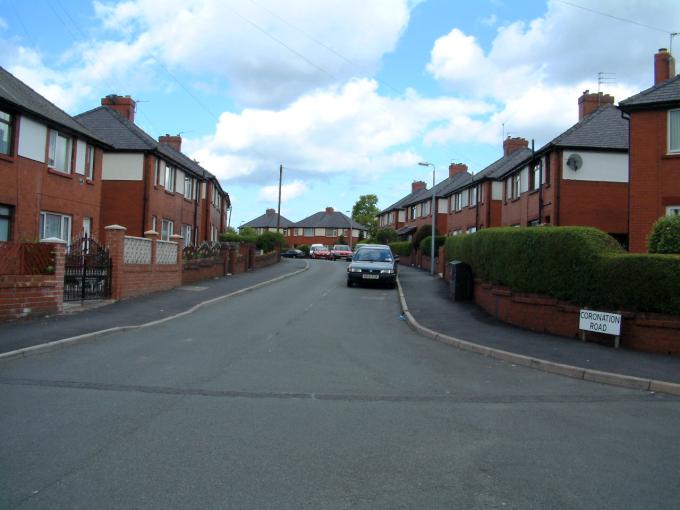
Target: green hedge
426,244
401,248
665,235
578,264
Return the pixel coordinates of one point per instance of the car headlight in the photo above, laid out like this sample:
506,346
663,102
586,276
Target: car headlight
387,271
353,270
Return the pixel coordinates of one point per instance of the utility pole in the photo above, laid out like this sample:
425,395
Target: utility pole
278,214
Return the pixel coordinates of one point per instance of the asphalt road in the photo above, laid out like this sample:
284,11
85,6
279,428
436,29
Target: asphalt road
309,394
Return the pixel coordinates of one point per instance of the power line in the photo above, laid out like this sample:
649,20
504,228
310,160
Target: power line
618,18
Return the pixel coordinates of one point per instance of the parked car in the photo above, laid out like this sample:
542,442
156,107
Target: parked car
293,253
314,247
372,263
320,253
341,251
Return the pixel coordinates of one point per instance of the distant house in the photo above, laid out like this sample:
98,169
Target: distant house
268,223
578,178
654,150
325,228
395,215
50,168
152,185
476,203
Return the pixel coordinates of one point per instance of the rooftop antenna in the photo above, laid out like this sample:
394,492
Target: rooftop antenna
604,78
670,46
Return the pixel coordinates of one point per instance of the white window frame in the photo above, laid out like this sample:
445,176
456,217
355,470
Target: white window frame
671,149
535,176
167,229
516,185
673,210
169,178
6,124
65,225
52,152
154,223
6,217
308,232
473,196
331,232
186,234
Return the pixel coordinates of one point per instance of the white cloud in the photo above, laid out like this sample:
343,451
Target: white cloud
349,129
295,189
490,20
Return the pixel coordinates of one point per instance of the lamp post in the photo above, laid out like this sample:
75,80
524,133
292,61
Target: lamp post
350,230
432,209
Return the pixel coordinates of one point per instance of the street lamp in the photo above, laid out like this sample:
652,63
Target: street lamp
350,231
432,209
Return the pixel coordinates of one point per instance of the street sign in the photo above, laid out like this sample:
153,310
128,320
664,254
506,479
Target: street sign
600,322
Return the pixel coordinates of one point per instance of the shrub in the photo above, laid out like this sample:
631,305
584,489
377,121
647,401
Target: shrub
304,248
268,241
386,236
578,264
402,248
665,235
230,237
426,244
423,232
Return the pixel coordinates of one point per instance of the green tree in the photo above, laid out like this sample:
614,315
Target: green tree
269,240
248,234
665,235
365,211
386,236
423,232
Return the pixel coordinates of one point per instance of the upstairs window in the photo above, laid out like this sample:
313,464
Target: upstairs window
169,178
426,208
674,131
89,162
516,183
308,232
5,222
464,199
188,187
331,232
5,133
535,177
59,152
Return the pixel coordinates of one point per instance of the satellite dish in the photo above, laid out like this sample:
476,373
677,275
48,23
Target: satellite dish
574,162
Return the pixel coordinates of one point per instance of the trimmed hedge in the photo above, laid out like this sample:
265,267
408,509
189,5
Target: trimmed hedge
401,248
423,232
581,265
665,235
426,244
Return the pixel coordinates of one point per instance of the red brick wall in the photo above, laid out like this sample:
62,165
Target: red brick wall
654,176
30,187
204,269
33,295
644,332
122,204
603,205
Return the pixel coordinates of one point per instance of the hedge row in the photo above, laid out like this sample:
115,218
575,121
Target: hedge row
401,248
578,264
426,244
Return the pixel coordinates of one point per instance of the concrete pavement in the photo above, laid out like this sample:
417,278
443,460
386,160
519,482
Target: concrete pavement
463,324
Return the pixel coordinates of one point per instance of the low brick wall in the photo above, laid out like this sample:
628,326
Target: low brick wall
640,331
204,269
266,259
27,295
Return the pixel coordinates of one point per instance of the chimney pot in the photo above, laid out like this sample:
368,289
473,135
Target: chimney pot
510,145
457,168
588,103
417,185
123,105
664,66
173,141
271,211
329,210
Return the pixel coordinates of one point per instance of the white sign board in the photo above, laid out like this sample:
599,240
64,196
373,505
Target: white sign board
600,322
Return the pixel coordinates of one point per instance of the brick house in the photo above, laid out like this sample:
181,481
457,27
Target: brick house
476,203
267,223
654,151
50,168
152,185
325,228
578,178
415,209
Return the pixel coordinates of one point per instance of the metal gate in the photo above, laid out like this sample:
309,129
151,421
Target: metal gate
87,270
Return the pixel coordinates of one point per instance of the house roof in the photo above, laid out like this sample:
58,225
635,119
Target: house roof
502,165
399,204
268,220
122,134
325,219
664,94
16,93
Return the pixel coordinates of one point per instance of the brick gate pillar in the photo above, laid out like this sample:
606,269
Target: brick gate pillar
115,242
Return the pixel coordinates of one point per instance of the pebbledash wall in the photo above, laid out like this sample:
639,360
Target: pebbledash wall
26,295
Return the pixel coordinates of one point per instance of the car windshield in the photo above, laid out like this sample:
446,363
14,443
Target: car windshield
373,256
341,247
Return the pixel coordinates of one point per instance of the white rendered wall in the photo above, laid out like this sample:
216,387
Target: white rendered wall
123,167
32,140
597,166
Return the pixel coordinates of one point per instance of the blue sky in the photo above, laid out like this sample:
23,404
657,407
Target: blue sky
348,95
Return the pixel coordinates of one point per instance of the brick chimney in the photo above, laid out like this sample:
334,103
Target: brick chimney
271,211
330,210
416,185
457,168
588,103
173,141
123,105
510,145
664,66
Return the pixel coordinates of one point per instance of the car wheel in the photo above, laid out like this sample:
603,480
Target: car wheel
349,283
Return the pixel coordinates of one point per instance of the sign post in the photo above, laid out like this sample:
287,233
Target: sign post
601,322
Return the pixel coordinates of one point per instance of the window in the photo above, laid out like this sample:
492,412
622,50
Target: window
546,172
472,230
188,187
535,176
186,235
87,226
464,199
426,208
480,193
154,223
456,202
5,222
89,162
166,229
516,182
213,233
157,175
308,232
673,210
5,133
59,152
55,225
169,178
473,196
413,212
215,200
331,232
674,131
